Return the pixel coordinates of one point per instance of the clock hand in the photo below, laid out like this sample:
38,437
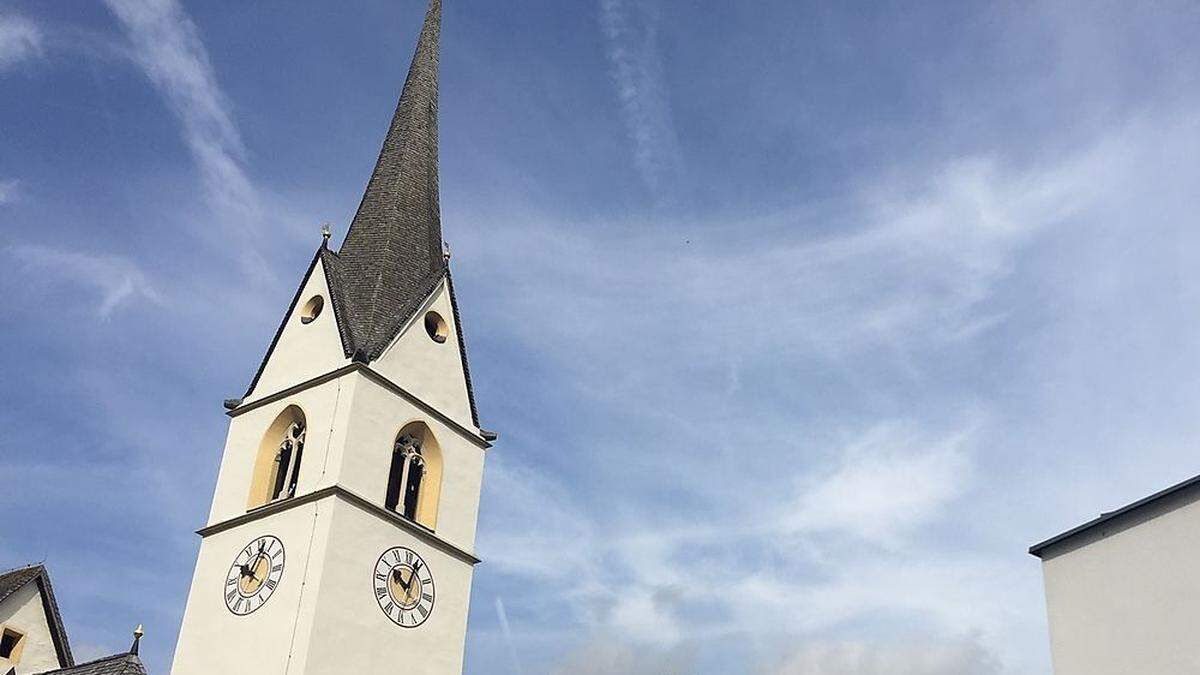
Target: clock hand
400,580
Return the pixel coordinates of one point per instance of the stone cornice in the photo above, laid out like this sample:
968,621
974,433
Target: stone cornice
373,375
421,532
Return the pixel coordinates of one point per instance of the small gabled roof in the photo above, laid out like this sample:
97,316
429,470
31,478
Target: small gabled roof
117,664
16,579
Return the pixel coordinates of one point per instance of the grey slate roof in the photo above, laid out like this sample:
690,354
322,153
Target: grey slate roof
392,259
117,664
14,580
393,251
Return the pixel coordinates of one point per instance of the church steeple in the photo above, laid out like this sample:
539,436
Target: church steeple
352,469
392,255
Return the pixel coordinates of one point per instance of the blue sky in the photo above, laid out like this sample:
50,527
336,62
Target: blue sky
800,321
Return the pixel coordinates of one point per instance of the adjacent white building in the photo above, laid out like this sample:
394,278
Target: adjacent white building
1123,591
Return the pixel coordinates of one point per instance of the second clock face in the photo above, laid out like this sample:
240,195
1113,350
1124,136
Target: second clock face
404,587
254,575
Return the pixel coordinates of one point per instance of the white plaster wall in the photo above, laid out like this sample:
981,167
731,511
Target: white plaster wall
375,418
326,409
352,635
1129,603
23,611
214,640
429,370
304,351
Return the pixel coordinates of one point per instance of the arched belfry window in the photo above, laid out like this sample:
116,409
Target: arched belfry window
280,453
405,476
287,462
415,474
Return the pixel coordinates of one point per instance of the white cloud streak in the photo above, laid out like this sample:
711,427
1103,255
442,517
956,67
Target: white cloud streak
865,658
10,191
167,46
630,33
116,281
889,482
20,40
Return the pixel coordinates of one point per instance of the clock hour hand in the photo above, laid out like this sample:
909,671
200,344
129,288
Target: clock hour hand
400,580
247,571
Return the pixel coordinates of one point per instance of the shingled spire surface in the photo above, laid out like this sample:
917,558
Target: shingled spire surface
391,260
392,256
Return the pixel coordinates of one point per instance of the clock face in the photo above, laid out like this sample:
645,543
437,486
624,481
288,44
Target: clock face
254,575
403,587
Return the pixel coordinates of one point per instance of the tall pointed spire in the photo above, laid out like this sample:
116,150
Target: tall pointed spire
393,251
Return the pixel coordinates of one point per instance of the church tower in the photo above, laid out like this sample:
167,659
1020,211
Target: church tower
342,528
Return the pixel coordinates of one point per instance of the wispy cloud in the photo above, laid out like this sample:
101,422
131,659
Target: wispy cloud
965,657
606,657
168,47
889,485
826,526
116,281
891,480
631,35
10,191
20,39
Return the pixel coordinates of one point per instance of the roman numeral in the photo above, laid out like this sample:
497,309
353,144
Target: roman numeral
380,576
396,554
231,581
424,612
271,584
277,568
427,597
388,608
230,596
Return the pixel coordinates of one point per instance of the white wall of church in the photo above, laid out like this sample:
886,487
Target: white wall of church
23,612
351,633
214,640
1130,602
376,417
304,351
430,370
326,409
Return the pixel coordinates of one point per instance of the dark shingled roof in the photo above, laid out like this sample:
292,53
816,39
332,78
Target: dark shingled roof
14,580
117,664
392,258
393,251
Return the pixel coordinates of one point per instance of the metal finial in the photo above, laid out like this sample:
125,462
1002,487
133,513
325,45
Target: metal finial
137,638
446,251
326,233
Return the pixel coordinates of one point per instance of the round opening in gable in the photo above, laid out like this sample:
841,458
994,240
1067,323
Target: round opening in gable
312,309
435,325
